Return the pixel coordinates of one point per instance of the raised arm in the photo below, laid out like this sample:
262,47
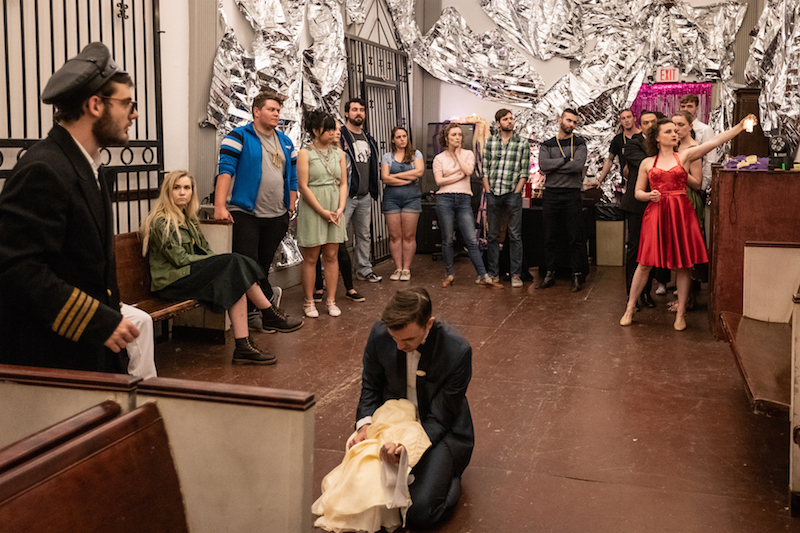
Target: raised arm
696,152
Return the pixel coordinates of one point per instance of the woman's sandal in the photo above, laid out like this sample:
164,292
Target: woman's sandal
309,309
448,281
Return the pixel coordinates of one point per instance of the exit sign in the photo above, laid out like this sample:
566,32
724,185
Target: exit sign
667,75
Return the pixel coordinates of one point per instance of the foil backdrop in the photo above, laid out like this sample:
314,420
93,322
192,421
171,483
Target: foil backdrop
356,11
274,63
618,45
325,62
774,63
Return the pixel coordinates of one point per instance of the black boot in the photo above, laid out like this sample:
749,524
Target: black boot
549,280
577,282
247,353
274,318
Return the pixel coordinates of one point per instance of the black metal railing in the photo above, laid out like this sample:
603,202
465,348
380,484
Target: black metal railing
39,37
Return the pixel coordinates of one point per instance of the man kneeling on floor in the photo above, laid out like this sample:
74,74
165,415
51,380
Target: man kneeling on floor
410,355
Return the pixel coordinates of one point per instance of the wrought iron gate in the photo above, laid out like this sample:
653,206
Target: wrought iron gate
39,37
379,75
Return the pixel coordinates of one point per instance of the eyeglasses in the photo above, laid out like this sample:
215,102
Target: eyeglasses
125,101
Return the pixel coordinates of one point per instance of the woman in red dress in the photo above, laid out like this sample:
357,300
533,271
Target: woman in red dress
670,236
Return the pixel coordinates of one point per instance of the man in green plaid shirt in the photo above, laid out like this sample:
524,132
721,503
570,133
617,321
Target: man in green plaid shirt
506,167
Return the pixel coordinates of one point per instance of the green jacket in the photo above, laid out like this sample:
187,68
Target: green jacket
171,260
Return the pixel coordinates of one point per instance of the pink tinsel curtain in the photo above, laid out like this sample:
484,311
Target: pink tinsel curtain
666,97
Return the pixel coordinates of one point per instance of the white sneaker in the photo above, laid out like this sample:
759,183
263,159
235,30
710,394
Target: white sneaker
405,275
661,290
396,275
516,282
277,293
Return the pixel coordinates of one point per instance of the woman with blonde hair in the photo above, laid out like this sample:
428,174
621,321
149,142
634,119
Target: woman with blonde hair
183,267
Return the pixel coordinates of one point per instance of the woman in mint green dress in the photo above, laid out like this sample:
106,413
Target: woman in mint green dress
322,184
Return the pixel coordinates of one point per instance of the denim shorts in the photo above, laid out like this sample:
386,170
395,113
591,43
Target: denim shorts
402,199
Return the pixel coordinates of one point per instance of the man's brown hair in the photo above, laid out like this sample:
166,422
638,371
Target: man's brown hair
406,307
690,98
267,94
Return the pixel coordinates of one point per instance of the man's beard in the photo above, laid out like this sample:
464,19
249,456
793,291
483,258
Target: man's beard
509,129
357,121
567,129
107,133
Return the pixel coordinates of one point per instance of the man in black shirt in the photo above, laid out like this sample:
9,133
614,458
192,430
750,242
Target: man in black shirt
619,146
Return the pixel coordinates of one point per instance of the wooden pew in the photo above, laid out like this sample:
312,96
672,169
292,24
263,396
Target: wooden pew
133,278
35,398
244,454
57,434
116,478
760,337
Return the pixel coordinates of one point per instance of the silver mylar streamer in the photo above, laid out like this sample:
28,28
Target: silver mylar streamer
275,63
356,11
773,63
325,62
545,28
262,13
486,65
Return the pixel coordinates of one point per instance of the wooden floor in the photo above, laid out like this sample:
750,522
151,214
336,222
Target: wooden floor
580,425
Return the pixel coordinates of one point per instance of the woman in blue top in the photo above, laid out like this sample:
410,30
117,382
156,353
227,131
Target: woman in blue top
402,204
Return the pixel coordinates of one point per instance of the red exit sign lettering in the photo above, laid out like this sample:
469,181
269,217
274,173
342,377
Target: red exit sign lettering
667,75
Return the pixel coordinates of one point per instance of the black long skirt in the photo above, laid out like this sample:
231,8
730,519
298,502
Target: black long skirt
217,282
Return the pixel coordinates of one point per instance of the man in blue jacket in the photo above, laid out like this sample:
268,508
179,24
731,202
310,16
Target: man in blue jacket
363,152
262,163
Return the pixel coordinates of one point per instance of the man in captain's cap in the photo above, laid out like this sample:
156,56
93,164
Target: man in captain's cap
59,302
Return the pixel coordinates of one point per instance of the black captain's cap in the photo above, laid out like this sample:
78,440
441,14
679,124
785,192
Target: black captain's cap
82,75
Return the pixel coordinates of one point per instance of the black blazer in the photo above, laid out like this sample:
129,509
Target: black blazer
446,368
58,290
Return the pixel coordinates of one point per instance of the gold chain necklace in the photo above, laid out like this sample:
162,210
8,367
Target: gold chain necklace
326,160
571,148
272,150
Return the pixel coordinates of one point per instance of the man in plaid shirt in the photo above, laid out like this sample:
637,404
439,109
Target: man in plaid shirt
506,167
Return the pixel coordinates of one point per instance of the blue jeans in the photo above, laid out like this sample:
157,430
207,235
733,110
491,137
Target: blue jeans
452,208
498,207
357,212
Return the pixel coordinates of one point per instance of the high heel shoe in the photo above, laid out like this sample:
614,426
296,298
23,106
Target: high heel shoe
627,318
448,281
680,323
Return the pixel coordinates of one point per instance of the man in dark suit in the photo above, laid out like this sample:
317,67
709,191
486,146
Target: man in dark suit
60,303
408,341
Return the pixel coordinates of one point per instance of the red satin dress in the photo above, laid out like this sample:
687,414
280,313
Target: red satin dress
670,236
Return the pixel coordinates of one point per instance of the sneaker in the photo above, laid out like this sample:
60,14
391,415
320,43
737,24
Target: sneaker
486,281
495,279
255,323
355,296
661,290
372,277
318,296
247,353
277,293
396,275
309,309
405,275
333,309
274,318
516,282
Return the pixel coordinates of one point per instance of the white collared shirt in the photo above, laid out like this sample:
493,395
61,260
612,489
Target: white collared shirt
94,162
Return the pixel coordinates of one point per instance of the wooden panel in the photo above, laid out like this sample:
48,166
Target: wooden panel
748,143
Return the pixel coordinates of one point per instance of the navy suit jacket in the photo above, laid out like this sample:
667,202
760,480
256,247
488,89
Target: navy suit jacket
446,368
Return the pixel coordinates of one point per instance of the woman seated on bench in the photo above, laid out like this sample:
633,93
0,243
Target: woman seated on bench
183,267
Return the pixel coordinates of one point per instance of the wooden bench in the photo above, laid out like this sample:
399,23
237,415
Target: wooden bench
243,454
133,279
118,478
29,447
35,398
761,336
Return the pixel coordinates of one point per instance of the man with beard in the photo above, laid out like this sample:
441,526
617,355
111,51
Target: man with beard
60,303
619,146
363,152
506,167
562,159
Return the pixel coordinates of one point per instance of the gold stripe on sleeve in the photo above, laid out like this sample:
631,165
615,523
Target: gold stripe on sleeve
81,312
86,319
63,312
67,323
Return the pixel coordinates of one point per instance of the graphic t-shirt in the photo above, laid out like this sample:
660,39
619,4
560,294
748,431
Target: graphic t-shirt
362,152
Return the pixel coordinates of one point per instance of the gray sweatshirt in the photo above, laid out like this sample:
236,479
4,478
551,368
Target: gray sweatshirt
560,171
